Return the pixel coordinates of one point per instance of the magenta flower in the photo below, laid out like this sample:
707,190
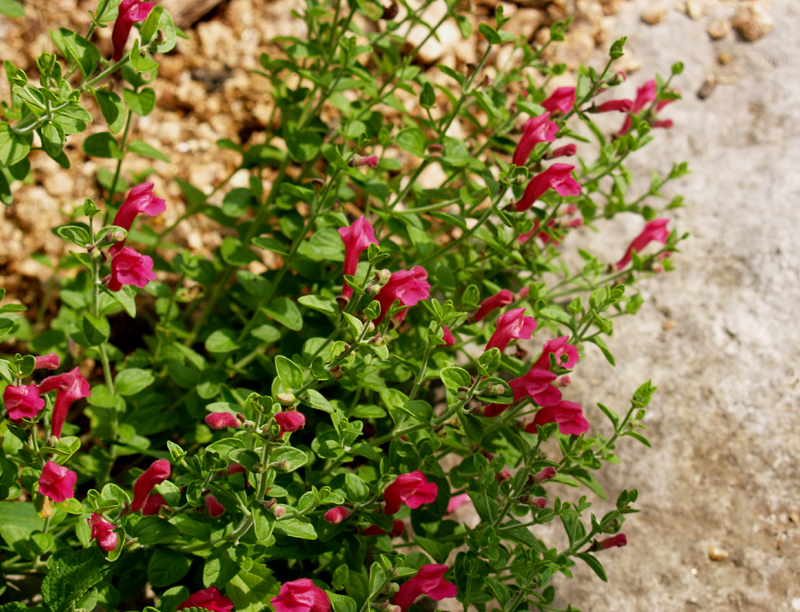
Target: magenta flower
537,384
221,420
22,402
57,482
646,94
336,515
128,267
368,160
411,489
157,473
140,200
557,177
209,599
152,505
290,421
408,286
663,123
130,12
623,106
511,325
538,502
504,298
568,415
71,386
544,475
618,540
398,527
301,596
448,337
356,238
565,151
558,347
215,509
457,501
562,99
103,532
48,362
429,581
236,468
655,230
536,129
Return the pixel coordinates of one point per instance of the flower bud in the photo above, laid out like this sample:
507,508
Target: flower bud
538,502
390,12
342,302
94,252
116,236
336,373
462,394
278,511
499,389
286,399
385,275
270,503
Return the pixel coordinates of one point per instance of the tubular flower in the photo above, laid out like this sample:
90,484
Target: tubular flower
301,596
209,599
411,489
429,581
448,337
130,12
290,421
22,402
557,177
562,99
398,527
367,160
565,151
153,504
48,362
129,267
646,94
356,238
511,325
558,347
542,476
618,540
536,129
554,224
140,200
457,501
103,532
215,508
57,482
655,230
504,298
157,473
408,286
537,384
221,420
568,415
336,515
623,106
71,386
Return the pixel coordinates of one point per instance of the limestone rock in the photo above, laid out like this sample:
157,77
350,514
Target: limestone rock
719,28
753,21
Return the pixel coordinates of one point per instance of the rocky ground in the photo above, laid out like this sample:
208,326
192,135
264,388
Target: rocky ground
720,490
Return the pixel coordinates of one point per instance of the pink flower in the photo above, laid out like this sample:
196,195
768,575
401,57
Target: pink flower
510,325
221,420
49,362
457,501
398,527
557,177
356,238
429,581
336,515
157,473
562,99
103,532
128,267
618,540
537,384
301,596
215,509
209,599
558,347
663,123
448,337
411,489
646,94
71,386
290,421
565,151
22,402
235,468
655,230
152,505
368,160
130,12
504,298
538,502
623,106
140,200
536,129
408,286
57,482
568,415
544,475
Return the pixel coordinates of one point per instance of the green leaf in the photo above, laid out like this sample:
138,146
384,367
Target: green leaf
326,305
141,103
296,528
600,343
593,563
152,530
412,140
271,244
102,145
14,9
53,139
289,372
250,589
13,147
75,47
141,60
294,458
126,298
159,21
222,341
75,234
235,253
140,147
490,34
341,603
285,312
454,377
167,567
95,329
639,437
263,522
112,108
70,575
133,380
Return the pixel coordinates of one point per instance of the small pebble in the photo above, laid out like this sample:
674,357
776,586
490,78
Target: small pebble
724,58
654,15
668,324
753,21
794,517
717,553
719,28
707,87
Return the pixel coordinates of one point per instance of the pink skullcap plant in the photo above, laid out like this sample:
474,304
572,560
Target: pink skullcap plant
568,415
557,177
407,286
290,421
129,267
23,401
152,505
215,509
511,325
457,501
542,476
646,94
537,384
655,230
103,532
623,106
336,515
618,540
71,386
357,237
558,346
301,596
221,420
208,599
428,581
501,299
48,362
562,99
130,12
398,527
536,129
140,200
157,473
57,482
411,489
